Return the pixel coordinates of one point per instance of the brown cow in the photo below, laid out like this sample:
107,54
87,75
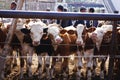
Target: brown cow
102,39
13,46
86,48
66,47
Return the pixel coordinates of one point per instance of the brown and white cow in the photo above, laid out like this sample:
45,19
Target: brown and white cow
13,46
66,47
36,34
86,49
102,39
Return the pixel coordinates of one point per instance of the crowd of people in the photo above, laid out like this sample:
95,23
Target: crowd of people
87,23
67,22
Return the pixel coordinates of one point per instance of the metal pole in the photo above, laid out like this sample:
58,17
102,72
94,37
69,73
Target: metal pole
58,15
113,51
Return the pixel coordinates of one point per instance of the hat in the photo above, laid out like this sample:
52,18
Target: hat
92,10
116,11
65,9
48,9
13,2
60,7
82,8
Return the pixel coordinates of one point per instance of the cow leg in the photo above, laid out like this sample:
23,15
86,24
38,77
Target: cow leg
102,74
39,69
15,56
79,65
53,67
47,66
2,72
8,66
29,63
89,55
94,66
65,69
22,63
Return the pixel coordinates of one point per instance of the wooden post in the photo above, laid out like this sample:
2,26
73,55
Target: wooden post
6,48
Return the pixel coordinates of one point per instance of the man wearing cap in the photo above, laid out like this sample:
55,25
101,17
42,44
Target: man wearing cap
62,22
13,5
82,9
91,23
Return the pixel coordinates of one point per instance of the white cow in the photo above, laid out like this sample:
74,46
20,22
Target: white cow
80,29
98,34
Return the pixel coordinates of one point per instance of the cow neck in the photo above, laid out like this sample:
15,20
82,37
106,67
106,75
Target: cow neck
27,39
89,44
45,34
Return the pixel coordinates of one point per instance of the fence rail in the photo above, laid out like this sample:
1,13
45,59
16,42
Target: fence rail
58,15
71,15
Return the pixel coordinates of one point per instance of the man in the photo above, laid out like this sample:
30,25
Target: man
48,21
13,5
68,22
91,23
63,23
82,10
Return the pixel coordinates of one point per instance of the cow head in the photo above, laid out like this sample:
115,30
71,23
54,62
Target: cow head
80,29
97,35
35,31
54,29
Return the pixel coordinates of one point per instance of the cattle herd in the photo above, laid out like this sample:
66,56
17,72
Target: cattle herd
52,44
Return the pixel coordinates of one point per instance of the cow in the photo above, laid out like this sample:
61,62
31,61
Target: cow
14,45
35,38
68,45
32,33
71,36
108,38
102,39
86,48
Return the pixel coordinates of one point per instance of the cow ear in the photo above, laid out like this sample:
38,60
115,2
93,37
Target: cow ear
25,31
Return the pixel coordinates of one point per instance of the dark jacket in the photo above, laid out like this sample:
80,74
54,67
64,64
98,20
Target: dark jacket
64,23
90,23
79,22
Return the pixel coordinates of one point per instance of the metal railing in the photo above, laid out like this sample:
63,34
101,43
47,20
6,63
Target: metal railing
58,15
71,15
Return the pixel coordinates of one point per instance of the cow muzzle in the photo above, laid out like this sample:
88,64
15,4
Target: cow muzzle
36,43
58,40
94,37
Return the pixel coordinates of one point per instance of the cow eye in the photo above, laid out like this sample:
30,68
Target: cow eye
71,32
63,31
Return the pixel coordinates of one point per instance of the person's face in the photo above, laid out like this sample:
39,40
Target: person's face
59,10
83,10
13,6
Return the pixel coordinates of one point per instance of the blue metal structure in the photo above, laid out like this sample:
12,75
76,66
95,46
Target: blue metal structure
78,4
58,15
